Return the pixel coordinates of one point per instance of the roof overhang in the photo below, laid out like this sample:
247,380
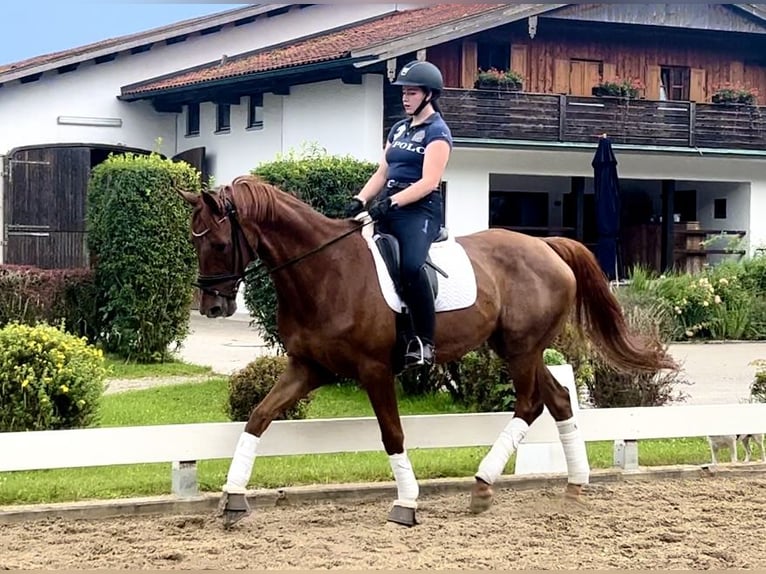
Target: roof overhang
122,44
306,73
452,31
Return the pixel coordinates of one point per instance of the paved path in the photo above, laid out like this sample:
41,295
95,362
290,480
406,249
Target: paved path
720,372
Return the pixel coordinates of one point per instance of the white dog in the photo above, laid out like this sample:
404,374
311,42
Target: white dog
730,441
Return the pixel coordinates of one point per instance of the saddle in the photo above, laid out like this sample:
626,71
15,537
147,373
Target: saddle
388,245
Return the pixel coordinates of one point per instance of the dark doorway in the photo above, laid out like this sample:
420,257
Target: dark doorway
44,207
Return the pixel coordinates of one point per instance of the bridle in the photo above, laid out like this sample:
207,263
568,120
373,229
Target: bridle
207,283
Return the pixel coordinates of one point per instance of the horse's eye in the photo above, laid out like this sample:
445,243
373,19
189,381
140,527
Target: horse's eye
219,246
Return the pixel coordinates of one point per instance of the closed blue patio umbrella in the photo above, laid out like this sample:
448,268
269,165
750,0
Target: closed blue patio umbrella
607,190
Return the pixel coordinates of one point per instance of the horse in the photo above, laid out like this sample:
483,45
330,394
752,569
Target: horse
334,320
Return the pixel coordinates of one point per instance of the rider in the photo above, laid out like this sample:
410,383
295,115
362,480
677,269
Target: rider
410,206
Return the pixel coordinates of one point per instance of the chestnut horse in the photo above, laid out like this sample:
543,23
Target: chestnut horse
334,321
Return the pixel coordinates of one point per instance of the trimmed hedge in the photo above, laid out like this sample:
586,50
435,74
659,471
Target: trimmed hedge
138,234
31,295
325,182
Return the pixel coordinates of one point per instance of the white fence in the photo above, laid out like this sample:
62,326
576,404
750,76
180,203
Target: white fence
185,444
195,442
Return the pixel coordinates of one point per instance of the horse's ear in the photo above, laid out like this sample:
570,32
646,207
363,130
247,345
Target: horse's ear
189,197
211,202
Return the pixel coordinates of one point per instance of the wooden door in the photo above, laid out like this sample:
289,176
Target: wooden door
195,157
45,207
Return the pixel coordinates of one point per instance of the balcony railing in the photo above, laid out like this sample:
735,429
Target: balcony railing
498,115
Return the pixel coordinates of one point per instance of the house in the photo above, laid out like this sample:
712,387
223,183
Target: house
239,88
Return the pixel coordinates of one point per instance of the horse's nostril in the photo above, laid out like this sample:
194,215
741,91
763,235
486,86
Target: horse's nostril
215,311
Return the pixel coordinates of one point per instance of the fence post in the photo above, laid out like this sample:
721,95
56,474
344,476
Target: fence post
184,478
626,454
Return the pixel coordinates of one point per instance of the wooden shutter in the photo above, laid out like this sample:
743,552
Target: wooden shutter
469,64
736,72
610,72
561,76
652,82
519,58
576,78
592,77
697,85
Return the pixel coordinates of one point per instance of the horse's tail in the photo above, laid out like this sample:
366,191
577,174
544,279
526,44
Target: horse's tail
599,315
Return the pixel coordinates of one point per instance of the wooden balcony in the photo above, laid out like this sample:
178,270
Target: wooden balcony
498,115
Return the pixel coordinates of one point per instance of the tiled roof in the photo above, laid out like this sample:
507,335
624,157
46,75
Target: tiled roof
332,45
114,45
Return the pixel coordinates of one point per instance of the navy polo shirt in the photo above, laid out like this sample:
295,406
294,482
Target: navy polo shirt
408,146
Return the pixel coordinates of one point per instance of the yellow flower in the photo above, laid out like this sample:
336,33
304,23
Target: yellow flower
64,389
24,383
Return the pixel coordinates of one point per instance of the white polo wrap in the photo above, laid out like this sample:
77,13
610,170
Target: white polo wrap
575,454
406,484
242,464
506,444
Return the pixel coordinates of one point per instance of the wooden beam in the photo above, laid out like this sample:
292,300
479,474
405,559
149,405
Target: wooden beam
578,191
668,237
352,77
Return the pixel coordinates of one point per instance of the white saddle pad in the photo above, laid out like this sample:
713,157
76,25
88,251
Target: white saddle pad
457,291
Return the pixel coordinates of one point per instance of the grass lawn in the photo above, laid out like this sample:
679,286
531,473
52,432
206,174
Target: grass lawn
205,402
121,369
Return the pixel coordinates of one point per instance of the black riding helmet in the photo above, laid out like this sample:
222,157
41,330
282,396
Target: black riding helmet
422,75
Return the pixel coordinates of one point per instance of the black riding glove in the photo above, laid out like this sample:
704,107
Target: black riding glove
380,208
354,207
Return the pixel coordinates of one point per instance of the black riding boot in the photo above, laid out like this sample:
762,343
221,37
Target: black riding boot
420,302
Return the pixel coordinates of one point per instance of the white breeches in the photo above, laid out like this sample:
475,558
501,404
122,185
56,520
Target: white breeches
575,454
406,484
506,444
242,464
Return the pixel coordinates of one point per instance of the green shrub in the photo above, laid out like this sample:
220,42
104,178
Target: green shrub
49,379
554,357
725,301
758,386
138,234
30,295
248,386
325,182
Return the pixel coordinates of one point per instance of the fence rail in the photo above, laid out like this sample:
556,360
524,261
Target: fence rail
186,444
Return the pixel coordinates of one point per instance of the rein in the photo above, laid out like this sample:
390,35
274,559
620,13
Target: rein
207,282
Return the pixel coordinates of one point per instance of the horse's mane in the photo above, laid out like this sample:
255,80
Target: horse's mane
257,199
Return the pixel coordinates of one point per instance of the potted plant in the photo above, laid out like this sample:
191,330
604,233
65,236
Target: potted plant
729,93
494,79
617,87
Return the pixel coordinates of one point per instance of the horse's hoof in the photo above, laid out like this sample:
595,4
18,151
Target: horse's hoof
573,493
232,508
404,515
481,497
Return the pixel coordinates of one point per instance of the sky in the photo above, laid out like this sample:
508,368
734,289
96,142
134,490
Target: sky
32,28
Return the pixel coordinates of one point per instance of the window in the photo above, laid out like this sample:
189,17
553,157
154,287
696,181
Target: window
674,83
255,112
523,211
494,55
719,208
192,119
223,118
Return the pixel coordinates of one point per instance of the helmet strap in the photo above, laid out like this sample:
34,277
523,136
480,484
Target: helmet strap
423,104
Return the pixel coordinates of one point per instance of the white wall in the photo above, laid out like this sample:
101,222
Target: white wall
468,182
28,112
342,118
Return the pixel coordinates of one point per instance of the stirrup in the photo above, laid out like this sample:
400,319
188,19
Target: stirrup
422,355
